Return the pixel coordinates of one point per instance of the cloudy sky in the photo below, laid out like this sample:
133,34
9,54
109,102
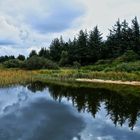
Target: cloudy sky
32,24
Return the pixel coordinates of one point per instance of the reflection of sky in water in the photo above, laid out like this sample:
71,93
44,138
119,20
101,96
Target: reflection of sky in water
36,116
102,128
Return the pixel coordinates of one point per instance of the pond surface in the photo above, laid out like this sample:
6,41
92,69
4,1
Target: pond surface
47,112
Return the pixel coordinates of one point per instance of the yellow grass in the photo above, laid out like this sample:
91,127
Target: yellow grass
13,76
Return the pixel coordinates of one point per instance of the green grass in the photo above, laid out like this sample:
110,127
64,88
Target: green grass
66,77
115,66
72,74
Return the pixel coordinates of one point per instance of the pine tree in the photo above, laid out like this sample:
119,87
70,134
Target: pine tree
114,41
44,53
95,45
33,53
55,50
82,52
136,35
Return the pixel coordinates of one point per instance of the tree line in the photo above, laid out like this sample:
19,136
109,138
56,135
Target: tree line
89,47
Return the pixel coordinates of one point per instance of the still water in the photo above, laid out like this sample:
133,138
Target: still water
47,112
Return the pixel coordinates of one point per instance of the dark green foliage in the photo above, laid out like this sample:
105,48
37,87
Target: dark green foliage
64,58
13,63
125,67
82,48
136,35
6,58
50,65
56,49
95,45
123,38
128,57
33,53
21,57
36,62
114,41
76,65
44,53
88,48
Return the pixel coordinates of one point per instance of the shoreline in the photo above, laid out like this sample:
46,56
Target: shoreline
119,82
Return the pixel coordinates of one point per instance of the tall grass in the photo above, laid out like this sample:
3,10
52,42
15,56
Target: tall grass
13,76
16,76
72,74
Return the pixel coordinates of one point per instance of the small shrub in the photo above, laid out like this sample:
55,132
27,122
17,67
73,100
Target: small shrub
103,62
76,65
13,63
36,62
127,67
50,64
128,56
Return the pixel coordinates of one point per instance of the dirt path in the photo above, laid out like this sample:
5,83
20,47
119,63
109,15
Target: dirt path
135,83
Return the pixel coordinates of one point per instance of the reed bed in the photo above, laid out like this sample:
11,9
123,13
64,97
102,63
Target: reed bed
13,76
17,76
72,74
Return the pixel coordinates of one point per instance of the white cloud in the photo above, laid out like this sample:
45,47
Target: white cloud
28,23
105,12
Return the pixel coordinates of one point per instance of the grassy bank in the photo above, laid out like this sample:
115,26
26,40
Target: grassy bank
15,76
72,74
66,77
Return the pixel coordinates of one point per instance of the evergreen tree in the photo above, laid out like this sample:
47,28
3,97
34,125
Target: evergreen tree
21,57
136,35
33,53
64,58
72,51
56,49
44,53
81,47
95,45
114,41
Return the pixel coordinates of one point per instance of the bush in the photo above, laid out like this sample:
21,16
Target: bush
50,64
21,57
128,56
103,62
76,65
13,63
36,62
125,67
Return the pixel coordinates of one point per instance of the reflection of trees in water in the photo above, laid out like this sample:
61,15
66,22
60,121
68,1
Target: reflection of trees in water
120,108
36,86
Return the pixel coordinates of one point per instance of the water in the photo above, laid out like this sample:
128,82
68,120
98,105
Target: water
47,112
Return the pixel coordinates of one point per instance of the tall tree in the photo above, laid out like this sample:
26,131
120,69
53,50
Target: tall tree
82,53
21,57
95,45
72,51
33,53
114,41
136,35
55,50
44,53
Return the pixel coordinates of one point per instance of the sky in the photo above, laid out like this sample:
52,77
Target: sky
31,24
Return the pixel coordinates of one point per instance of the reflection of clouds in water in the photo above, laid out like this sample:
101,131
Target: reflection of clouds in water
102,128
22,96
19,94
35,116
38,119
